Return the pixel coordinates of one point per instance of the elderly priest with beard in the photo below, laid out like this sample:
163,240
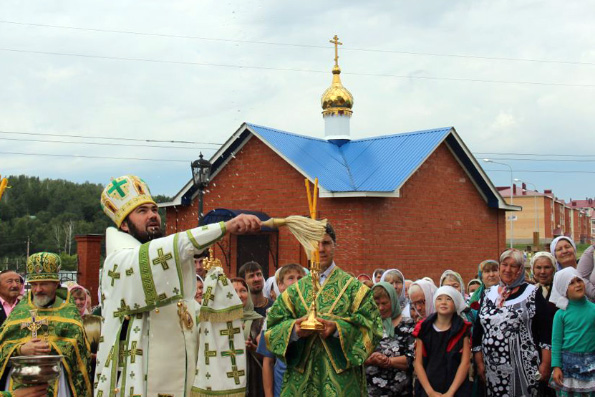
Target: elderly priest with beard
46,322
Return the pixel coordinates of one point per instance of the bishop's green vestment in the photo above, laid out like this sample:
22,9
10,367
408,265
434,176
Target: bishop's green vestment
331,367
65,334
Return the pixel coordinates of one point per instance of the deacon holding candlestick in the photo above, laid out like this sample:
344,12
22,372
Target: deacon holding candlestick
326,358
46,322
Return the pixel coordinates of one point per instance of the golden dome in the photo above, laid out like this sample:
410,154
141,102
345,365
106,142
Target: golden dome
336,99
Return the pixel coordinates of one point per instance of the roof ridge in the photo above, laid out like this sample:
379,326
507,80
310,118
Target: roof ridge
286,132
433,130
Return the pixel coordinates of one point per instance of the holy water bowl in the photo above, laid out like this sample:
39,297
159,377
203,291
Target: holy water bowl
34,370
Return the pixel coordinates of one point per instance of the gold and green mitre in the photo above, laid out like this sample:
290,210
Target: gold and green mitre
122,195
43,266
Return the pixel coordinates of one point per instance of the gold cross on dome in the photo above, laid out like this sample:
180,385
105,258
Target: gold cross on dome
34,325
337,43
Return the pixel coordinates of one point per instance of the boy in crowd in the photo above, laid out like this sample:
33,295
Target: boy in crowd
273,369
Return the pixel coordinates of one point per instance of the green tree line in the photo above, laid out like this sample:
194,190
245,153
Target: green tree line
46,215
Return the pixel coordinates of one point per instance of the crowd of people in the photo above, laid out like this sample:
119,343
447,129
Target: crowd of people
522,327
167,324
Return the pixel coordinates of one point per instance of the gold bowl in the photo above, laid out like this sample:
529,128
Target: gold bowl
35,370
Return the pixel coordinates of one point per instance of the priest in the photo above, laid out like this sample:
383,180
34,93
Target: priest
329,361
149,338
46,321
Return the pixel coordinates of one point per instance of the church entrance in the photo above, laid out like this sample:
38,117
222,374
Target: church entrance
254,248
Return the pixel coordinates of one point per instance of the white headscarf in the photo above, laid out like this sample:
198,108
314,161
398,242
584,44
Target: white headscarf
455,295
553,247
562,280
271,284
428,289
456,275
402,297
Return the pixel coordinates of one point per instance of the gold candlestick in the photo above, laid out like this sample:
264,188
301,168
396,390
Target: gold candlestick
312,323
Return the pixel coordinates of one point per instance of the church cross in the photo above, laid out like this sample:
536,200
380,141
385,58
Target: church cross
230,331
232,352
34,325
133,352
208,296
123,309
209,353
113,274
162,259
116,187
235,374
337,43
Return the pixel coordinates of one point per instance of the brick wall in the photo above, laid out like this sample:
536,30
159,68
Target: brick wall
439,222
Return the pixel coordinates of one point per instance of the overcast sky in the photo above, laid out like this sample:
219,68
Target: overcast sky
513,77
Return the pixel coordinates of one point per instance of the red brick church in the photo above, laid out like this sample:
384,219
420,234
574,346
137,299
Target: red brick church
417,201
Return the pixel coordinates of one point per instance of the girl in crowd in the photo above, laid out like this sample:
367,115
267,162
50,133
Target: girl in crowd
252,323
564,250
388,369
442,353
421,293
573,338
80,297
512,330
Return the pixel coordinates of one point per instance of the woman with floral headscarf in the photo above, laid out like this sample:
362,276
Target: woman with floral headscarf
389,368
511,332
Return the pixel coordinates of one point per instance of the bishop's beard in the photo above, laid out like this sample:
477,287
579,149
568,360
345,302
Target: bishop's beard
144,236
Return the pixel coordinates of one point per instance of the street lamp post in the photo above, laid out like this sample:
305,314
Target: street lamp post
511,197
201,172
536,232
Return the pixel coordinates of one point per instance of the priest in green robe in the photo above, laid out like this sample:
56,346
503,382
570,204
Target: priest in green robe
46,322
328,362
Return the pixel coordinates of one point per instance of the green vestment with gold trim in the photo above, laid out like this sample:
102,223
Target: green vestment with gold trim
64,333
331,367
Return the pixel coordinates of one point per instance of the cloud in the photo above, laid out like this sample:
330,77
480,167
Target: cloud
155,100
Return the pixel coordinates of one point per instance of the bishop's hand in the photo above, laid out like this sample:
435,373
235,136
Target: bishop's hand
35,347
242,224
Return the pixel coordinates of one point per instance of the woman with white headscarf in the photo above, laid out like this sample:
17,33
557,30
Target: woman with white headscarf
511,331
563,249
421,297
397,280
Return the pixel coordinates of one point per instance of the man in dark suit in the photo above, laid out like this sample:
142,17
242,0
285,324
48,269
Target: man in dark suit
10,288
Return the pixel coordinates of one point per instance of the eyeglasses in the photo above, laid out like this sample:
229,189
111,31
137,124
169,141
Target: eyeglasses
419,303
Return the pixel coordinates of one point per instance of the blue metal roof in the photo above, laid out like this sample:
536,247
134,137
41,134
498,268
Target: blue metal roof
380,164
